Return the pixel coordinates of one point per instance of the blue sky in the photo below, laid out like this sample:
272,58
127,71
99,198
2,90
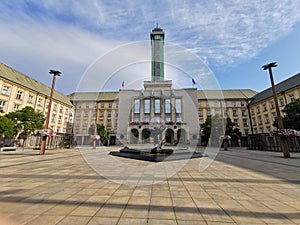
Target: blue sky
91,41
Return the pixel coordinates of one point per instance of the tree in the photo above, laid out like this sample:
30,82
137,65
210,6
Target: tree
26,121
103,133
216,123
291,119
6,126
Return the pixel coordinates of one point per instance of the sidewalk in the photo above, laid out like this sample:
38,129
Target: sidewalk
239,187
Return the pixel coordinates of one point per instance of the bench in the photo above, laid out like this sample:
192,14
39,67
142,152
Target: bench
13,148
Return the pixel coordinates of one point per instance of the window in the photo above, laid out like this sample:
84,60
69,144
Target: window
292,98
281,101
217,112
30,99
110,105
55,107
157,105
234,112
242,104
109,114
216,104
5,90
168,119
147,119
168,106
233,104
272,106
200,121
225,112
208,112
101,113
2,104
102,105
252,111
207,104
136,106
244,113
265,107
53,117
87,106
136,119
40,102
61,109
178,119
16,107
178,105
235,121
146,105
245,122
19,95
86,114
200,113
67,111
258,109
59,119
267,119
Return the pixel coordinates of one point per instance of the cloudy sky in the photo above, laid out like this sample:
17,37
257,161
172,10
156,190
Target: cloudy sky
98,44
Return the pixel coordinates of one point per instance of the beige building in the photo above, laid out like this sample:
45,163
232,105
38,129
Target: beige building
263,112
18,90
87,105
227,103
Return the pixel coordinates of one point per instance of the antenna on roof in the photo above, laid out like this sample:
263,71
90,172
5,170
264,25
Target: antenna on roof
156,25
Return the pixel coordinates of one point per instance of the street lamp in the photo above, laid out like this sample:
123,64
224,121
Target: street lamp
96,123
43,144
283,140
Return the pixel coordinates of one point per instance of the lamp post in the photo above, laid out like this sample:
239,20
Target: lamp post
43,144
283,140
96,123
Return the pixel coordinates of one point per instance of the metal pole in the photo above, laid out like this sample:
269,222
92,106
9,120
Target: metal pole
96,123
44,139
283,140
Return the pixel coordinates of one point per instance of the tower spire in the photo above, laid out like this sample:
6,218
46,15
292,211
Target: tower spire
157,37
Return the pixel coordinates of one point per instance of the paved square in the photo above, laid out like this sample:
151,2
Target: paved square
239,187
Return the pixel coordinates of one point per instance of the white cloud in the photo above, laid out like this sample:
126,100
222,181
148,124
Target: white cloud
72,34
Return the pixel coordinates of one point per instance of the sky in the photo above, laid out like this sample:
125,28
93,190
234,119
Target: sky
99,44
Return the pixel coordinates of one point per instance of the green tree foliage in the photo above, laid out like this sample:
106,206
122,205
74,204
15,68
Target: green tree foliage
6,126
26,121
216,123
291,119
101,131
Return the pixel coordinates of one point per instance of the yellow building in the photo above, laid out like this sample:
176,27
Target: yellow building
86,105
227,103
18,90
263,112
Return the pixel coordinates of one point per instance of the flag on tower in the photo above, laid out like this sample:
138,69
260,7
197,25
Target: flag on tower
123,84
194,82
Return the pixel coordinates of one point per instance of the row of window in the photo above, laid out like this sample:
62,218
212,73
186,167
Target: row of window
225,111
102,106
224,104
157,106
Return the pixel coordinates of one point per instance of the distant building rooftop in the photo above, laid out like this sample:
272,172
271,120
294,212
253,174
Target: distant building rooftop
281,87
14,76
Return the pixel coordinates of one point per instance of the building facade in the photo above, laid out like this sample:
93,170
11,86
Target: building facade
263,112
18,91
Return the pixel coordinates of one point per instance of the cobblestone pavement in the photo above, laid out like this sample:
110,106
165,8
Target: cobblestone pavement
239,187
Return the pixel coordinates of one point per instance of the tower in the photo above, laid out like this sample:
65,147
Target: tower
157,37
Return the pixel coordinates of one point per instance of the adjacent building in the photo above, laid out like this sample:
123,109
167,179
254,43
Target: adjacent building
18,90
263,112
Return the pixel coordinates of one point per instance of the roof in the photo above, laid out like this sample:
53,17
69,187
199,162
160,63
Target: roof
226,94
281,87
93,96
14,76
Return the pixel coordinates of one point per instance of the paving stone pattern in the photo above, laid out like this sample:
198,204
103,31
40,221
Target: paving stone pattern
239,187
